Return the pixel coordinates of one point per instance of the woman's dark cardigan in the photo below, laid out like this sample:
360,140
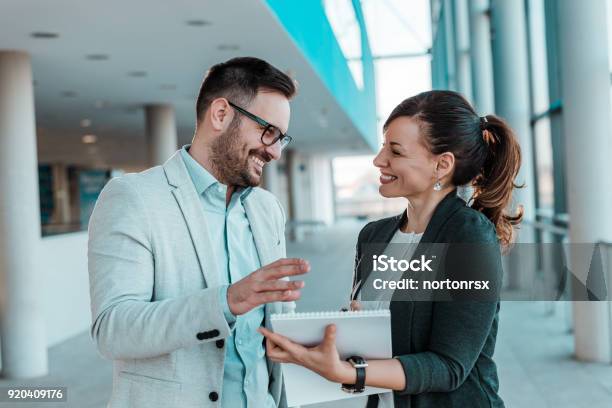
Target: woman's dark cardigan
445,347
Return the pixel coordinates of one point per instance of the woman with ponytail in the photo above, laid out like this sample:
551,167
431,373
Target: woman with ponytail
443,350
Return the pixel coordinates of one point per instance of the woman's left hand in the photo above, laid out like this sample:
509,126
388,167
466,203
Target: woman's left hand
323,359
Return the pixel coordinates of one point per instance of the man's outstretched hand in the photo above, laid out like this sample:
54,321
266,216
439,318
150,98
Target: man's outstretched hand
265,285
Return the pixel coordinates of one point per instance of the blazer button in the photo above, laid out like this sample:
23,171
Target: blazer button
213,396
214,333
201,336
220,343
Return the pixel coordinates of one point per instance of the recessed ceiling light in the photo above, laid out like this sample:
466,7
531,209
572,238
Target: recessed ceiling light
228,47
85,123
89,139
137,74
69,94
167,87
97,57
198,23
44,35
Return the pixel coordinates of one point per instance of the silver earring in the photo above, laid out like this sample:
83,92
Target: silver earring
437,186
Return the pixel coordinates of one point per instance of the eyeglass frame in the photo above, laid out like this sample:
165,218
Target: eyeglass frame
282,136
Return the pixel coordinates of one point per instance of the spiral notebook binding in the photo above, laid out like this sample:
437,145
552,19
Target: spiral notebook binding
331,314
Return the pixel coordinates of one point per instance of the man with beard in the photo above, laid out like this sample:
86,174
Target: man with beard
187,259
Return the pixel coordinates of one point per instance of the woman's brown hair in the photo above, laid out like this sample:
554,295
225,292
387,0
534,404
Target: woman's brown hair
487,154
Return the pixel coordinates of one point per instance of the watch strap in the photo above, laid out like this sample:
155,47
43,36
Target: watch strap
360,365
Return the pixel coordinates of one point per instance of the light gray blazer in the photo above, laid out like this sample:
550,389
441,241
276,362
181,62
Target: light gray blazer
154,288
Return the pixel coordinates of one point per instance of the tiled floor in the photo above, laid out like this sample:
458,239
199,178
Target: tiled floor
534,347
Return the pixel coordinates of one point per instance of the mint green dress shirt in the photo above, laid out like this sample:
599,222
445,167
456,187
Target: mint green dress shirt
245,376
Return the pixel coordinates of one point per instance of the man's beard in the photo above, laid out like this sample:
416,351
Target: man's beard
226,159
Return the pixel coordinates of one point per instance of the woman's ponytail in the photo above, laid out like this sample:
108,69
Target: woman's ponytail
493,186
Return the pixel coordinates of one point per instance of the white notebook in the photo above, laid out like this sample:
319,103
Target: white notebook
364,333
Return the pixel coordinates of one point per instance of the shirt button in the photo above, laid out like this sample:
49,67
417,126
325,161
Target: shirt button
240,342
246,382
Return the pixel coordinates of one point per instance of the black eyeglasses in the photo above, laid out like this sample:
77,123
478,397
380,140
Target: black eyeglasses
271,134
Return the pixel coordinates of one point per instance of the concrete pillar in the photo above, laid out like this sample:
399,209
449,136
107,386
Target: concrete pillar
480,56
322,189
295,181
461,24
61,194
311,193
270,178
513,103
512,98
22,329
585,86
161,133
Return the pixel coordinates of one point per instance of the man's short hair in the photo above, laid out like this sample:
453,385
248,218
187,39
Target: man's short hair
239,80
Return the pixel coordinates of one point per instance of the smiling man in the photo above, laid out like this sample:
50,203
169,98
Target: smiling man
187,260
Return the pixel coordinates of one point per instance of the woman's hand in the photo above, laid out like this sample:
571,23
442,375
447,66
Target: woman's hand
322,359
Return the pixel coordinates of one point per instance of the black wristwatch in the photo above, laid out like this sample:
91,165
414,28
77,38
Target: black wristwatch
360,365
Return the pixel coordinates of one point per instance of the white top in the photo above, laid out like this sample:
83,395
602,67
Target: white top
386,400
411,239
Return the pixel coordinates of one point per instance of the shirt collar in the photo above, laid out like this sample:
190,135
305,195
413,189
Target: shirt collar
202,179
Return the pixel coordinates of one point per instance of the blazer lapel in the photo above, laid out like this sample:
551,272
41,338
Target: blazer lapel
445,209
189,202
263,242
265,239
383,235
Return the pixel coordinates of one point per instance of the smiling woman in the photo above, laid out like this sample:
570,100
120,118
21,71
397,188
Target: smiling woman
434,142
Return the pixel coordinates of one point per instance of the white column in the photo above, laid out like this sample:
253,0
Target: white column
161,133
512,102
22,329
585,86
61,194
481,58
512,99
462,48
322,189
271,180
298,194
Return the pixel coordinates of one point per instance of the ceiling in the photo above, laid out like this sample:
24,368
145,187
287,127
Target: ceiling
111,58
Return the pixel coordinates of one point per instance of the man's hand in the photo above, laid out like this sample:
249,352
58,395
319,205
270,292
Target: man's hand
265,285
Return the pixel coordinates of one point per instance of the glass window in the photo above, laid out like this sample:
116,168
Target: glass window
397,27
544,164
344,23
400,37
398,79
